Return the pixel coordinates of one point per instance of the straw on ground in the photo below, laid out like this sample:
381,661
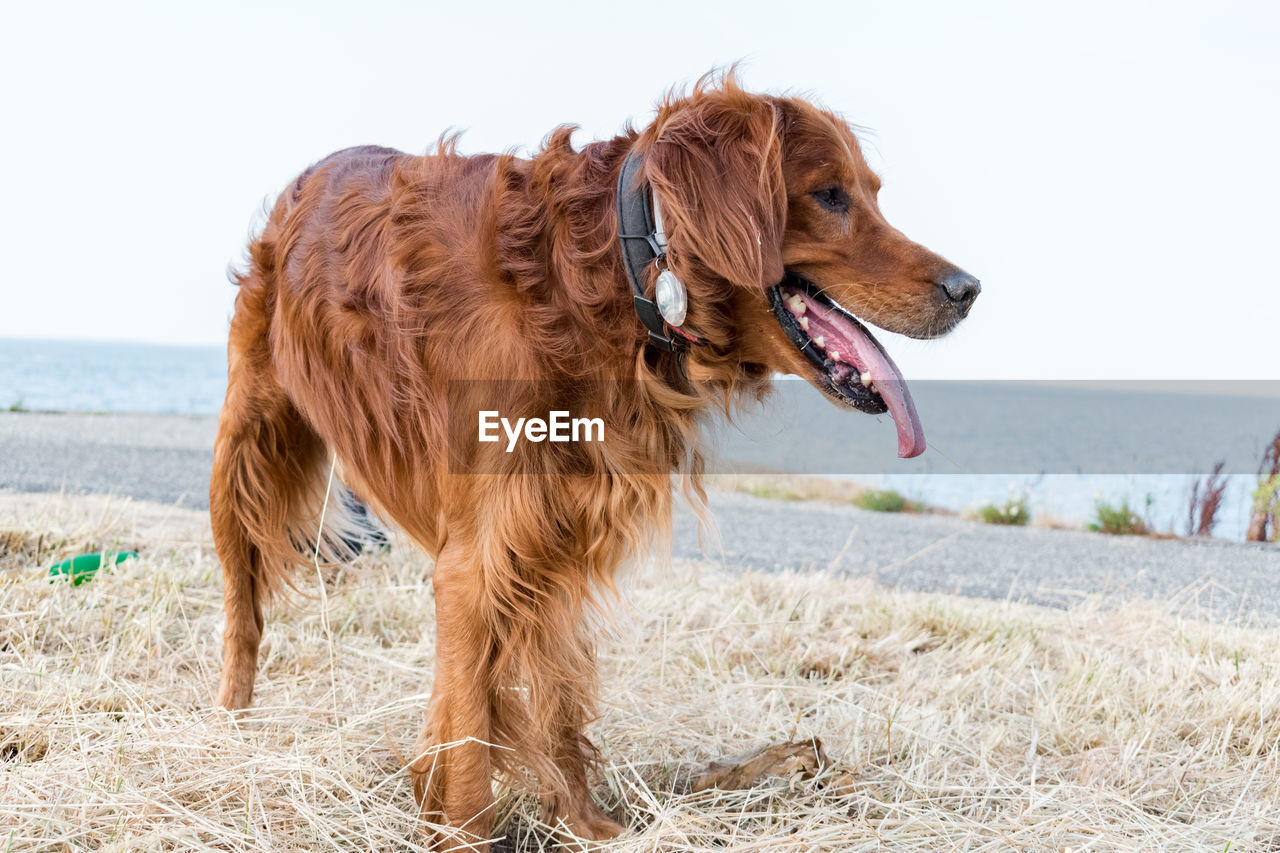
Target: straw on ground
951,724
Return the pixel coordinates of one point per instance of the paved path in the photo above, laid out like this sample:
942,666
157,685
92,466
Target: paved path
935,553
166,459
162,458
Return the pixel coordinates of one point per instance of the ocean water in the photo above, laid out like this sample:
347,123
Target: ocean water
989,441
84,376
1063,446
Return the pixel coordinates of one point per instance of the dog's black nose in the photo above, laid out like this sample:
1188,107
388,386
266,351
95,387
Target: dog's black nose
961,288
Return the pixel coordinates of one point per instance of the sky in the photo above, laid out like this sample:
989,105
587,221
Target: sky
1108,170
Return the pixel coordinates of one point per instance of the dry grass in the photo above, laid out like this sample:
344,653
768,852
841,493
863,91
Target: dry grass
789,487
808,487
953,724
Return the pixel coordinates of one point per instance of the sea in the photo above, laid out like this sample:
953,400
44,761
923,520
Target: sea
94,376
1061,447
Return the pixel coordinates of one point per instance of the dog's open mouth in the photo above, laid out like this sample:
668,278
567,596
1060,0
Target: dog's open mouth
852,366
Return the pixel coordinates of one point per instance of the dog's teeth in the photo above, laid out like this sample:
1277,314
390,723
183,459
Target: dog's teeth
866,379
797,306
835,354
872,387
804,323
820,341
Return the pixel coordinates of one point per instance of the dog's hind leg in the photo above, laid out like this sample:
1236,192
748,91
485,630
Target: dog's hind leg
266,463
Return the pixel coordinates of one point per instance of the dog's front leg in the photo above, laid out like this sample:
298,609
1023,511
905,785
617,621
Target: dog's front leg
570,806
452,770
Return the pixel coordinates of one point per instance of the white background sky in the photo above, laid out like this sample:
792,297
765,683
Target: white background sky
1109,170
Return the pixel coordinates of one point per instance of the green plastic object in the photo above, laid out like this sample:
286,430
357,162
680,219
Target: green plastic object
83,567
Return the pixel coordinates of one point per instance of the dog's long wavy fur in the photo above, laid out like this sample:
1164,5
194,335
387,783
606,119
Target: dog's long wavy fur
378,283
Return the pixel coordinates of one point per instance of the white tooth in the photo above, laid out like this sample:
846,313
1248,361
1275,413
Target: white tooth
797,306
820,341
804,323
835,354
872,386
866,378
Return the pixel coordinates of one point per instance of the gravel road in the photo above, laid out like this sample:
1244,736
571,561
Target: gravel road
166,459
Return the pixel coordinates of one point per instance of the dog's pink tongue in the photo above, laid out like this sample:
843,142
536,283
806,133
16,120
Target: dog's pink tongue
857,347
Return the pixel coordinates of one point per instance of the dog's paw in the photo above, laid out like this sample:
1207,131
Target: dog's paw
235,694
580,821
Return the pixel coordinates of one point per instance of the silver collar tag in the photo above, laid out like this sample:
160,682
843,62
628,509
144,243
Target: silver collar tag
669,292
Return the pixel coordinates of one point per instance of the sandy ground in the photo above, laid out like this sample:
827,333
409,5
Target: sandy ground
166,459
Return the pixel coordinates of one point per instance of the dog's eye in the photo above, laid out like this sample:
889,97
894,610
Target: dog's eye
832,198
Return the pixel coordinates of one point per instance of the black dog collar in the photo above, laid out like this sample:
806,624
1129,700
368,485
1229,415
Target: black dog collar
642,244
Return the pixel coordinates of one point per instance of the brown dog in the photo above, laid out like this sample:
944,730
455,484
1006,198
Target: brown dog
383,282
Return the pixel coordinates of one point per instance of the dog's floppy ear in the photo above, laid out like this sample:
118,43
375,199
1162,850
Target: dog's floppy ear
715,165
